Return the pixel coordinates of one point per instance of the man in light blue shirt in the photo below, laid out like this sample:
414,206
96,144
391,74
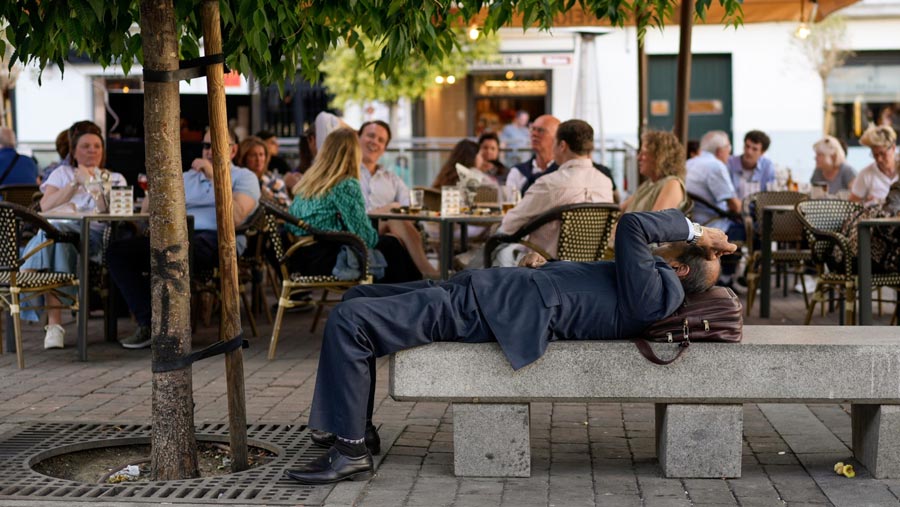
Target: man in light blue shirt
752,166
708,179
129,259
15,168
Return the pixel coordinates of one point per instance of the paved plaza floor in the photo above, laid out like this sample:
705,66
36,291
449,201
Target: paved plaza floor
584,454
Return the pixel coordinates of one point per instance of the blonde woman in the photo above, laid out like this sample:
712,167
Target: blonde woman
874,182
661,161
832,168
329,198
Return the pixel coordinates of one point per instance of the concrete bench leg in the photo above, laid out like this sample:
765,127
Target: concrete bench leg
491,440
699,440
876,438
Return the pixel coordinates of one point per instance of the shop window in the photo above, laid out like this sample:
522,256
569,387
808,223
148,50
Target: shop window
863,92
497,96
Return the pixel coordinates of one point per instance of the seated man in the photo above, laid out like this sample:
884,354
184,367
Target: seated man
129,259
708,179
15,169
575,181
556,301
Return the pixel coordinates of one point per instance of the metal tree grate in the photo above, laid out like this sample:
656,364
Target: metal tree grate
34,442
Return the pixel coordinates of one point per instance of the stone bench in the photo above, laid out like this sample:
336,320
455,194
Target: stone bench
698,398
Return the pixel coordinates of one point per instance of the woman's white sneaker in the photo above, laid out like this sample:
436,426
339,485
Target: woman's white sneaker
55,337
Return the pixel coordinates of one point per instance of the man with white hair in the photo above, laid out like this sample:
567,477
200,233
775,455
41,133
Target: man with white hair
15,168
708,179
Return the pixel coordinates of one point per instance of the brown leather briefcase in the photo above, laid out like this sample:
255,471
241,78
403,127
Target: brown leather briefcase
715,315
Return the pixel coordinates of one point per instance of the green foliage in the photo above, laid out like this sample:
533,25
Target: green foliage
273,38
349,73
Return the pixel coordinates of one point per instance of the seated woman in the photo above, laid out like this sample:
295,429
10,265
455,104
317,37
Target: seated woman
661,161
468,154
873,183
329,198
465,153
489,149
254,155
831,166
67,188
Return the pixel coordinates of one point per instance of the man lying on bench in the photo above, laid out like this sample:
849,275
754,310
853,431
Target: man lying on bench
520,308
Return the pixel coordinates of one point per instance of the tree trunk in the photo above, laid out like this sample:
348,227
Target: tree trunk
230,325
174,448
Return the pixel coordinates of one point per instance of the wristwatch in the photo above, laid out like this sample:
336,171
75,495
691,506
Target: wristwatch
698,233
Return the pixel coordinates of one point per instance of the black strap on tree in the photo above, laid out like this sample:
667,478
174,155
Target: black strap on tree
187,69
9,168
212,350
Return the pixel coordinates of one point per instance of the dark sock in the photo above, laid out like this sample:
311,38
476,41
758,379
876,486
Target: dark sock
354,449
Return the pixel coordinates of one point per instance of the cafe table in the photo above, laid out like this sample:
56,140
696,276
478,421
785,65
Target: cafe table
110,324
864,259
446,223
765,285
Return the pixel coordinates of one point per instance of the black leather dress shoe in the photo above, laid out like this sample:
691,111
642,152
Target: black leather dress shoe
326,439
334,467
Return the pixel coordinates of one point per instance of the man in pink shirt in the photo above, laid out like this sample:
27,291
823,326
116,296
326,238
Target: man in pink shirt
576,181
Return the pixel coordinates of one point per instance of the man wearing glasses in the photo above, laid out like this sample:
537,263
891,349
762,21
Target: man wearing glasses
543,135
129,259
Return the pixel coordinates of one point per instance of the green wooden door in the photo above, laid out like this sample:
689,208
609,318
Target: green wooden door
710,107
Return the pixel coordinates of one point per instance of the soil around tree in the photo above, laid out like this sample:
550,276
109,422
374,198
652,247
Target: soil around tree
100,466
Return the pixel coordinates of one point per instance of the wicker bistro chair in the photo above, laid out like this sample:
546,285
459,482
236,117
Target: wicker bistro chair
210,282
823,220
23,195
787,232
487,195
583,234
293,281
19,286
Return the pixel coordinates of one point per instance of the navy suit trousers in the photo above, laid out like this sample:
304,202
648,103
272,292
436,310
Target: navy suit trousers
377,320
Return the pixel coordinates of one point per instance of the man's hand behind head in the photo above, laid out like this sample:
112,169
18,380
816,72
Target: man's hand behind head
532,260
715,243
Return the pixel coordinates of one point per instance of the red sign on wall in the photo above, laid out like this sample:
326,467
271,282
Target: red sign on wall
232,79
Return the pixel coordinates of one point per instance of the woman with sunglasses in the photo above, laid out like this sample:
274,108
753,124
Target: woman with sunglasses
874,182
68,188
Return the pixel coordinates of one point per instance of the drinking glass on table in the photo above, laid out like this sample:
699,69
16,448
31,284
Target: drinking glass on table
509,197
416,200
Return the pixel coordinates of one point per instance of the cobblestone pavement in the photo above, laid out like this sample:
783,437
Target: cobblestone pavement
594,454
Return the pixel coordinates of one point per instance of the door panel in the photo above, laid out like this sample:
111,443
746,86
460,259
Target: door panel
710,107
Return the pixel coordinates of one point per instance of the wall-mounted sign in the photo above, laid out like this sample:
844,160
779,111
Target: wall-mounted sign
659,108
709,106
523,61
554,60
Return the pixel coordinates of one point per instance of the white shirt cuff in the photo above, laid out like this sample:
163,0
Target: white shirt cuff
690,229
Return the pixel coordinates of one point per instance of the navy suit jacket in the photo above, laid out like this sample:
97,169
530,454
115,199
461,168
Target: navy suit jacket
528,308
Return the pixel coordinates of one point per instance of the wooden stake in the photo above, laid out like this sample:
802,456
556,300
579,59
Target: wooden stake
683,86
230,324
